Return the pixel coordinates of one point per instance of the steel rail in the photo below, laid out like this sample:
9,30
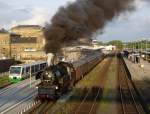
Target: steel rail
4,90
17,104
126,82
98,93
92,105
76,112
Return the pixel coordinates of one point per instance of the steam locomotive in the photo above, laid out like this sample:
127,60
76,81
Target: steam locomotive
58,79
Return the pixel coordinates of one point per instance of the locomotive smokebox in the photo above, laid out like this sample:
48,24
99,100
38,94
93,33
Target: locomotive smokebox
50,59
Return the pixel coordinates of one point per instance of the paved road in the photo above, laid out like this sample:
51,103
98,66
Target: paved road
15,97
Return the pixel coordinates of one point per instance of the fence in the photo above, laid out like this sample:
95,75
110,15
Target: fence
4,74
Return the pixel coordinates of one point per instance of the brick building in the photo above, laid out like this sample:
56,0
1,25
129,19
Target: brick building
30,45
33,32
23,42
4,43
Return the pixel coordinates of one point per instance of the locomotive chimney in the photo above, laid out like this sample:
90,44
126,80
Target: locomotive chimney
50,59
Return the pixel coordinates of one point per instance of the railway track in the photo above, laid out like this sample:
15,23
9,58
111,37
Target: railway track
91,106
17,95
41,108
89,103
129,99
22,84
15,108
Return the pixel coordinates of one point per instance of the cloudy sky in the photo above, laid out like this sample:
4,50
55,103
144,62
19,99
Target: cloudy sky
126,27
130,26
14,12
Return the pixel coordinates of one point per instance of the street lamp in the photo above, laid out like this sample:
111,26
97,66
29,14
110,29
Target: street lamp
30,73
133,46
141,46
146,49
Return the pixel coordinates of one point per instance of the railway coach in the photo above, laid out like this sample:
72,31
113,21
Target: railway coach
23,71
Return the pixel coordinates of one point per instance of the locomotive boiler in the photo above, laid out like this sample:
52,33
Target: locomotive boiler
58,79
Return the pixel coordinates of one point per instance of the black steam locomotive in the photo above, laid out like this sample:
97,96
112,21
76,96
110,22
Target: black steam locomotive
58,79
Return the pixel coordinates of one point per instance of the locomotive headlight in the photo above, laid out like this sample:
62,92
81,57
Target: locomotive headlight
56,87
36,87
46,73
49,76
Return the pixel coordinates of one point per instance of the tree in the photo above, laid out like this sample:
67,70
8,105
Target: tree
117,43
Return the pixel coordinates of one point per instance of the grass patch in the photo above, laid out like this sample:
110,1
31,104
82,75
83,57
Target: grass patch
4,80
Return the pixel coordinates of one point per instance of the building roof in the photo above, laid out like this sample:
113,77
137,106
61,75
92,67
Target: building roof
3,31
26,26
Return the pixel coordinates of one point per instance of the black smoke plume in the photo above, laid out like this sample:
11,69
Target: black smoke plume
80,20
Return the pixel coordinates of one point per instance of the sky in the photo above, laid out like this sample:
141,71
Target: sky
129,26
14,12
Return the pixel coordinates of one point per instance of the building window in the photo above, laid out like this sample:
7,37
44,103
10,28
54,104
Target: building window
14,56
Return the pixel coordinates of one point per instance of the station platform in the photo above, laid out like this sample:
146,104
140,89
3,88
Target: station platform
139,71
141,78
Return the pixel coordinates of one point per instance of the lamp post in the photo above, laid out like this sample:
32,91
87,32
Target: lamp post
141,46
133,46
146,49
30,77
30,73
10,47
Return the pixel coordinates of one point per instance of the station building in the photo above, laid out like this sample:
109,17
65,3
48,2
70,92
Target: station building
30,45
4,44
23,42
30,33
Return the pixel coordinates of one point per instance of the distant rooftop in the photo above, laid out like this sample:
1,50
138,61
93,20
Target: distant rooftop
26,26
3,31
